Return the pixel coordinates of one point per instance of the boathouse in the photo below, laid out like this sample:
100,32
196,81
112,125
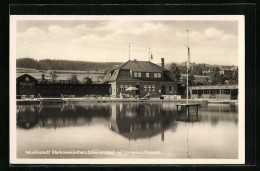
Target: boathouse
215,92
140,78
28,85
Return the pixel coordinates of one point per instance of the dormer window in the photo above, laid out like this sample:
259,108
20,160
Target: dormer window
137,74
157,75
147,75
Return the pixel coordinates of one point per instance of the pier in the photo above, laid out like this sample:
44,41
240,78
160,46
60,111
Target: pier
188,112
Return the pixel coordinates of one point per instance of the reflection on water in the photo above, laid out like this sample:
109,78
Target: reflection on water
126,126
135,121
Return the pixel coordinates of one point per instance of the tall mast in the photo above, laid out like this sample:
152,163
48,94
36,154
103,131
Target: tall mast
129,52
149,54
188,66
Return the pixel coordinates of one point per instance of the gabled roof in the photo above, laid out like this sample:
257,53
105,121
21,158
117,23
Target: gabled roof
122,72
140,66
26,77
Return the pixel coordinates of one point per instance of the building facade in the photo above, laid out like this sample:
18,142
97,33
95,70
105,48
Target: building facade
143,77
28,85
215,92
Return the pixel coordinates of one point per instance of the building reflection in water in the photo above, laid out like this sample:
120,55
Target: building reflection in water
134,121
131,120
59,115
27,115
133,126
219,113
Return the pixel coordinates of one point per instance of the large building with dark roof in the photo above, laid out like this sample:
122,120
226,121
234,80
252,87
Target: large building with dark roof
144,76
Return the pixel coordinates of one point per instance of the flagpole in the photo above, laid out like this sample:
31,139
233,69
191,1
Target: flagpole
188,69
129,52
149,52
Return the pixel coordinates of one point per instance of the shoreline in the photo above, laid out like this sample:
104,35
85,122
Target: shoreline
107,100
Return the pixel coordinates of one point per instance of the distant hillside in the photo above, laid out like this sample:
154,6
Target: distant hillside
48,64
207,65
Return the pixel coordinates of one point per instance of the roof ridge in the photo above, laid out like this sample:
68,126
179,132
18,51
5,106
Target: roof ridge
158,66
124,64
119,67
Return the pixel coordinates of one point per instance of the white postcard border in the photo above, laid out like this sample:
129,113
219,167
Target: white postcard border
241,96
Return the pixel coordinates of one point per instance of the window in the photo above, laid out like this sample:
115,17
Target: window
214,91
153,87
159,75
149,87
126,86
194,91
145,87
135,74
171,88
147,74
206,91
155,75
139,74
226,91
122,88
200,92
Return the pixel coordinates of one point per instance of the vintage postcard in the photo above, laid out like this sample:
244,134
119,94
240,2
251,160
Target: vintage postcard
112,89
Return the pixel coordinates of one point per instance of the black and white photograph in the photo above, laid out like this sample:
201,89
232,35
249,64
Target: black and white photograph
132,89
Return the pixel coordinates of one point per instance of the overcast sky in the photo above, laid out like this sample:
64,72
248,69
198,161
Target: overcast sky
212,42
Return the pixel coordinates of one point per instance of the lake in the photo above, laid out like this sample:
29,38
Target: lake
125,130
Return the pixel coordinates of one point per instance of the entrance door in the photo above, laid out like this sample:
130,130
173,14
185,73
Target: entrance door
163,90
138,91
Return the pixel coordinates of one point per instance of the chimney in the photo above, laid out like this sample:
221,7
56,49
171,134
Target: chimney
162,62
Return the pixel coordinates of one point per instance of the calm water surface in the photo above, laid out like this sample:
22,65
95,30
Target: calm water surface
125,130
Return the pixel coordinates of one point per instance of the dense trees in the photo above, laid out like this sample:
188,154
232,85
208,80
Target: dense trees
175,70
48,64
228,77
191,79
215,76
27,63
87,80
235,76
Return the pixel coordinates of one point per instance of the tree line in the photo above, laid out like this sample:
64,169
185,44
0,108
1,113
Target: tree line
48,64
228,77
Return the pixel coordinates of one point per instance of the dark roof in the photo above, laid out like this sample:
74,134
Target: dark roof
24,77
140,66
122,71
124,75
